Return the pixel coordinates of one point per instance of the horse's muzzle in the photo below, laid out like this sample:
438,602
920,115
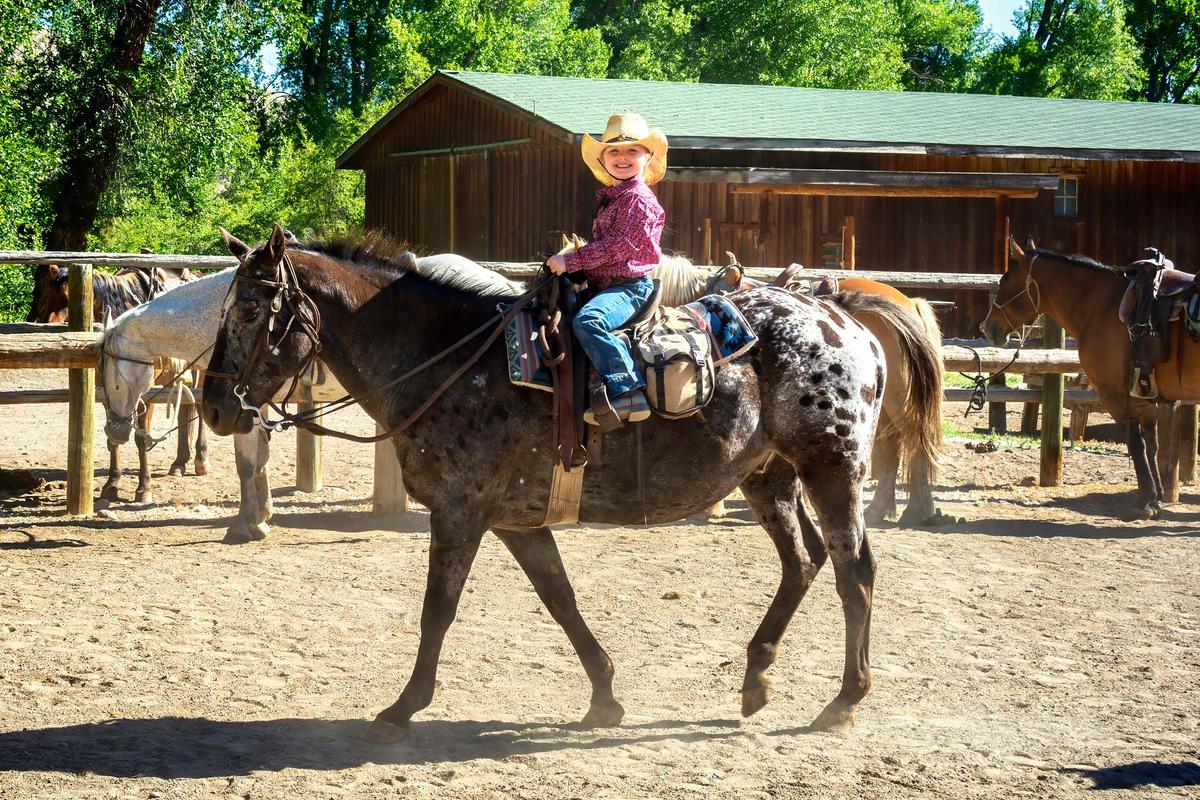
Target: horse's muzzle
993,332
118,432
226,418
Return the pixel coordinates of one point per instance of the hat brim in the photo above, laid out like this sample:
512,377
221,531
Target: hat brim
656,167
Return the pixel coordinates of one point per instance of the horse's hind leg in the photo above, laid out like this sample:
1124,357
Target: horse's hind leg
201,465
836,493
453,543
774,497
537,553
887,465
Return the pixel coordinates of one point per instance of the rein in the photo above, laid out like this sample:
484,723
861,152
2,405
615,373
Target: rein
288,288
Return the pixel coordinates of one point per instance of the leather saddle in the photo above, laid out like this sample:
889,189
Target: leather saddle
576,384
1155,295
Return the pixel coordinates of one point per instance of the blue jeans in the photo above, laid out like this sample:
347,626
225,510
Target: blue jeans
594,324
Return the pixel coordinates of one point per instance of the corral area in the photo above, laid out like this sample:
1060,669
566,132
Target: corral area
1040,648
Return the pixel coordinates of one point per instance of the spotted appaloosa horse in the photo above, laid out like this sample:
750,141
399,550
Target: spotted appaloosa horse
480,455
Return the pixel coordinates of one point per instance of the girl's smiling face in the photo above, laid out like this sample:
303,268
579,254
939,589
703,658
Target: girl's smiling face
625,161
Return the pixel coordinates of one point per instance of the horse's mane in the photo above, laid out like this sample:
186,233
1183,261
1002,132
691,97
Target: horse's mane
682,281
379,251
1075,260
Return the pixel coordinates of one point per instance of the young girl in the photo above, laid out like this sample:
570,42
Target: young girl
624,249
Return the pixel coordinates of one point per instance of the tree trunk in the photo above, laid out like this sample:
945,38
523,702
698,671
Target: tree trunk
95,137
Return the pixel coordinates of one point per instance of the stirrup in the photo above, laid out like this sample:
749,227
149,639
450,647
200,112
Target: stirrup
1144,387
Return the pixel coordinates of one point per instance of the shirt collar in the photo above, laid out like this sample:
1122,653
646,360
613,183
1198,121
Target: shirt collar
618,189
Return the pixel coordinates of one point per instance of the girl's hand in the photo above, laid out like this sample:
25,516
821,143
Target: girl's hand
557,264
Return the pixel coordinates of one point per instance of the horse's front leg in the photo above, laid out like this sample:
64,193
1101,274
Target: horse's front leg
183,447
111,489
254,507
201,465
143,494
1147,502
537,553
453,543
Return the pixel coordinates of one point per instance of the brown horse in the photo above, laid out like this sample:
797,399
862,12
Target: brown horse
112,295
476,452
1084,296
911,422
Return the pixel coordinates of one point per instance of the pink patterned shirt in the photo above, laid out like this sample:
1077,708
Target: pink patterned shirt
625,235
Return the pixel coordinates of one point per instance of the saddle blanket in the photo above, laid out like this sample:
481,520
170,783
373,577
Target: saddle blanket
727,329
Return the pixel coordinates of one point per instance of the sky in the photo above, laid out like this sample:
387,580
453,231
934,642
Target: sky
997,15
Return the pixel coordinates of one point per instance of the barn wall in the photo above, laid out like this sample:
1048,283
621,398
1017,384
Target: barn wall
514,203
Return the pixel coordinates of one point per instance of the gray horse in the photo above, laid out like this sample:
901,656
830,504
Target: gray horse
476,450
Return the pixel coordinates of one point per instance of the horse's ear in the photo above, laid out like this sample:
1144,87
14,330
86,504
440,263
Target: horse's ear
1014,249
236,246
1030,244
565,242
276,245
54,268
108,319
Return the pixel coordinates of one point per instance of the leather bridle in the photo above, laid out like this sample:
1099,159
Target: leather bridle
1033,291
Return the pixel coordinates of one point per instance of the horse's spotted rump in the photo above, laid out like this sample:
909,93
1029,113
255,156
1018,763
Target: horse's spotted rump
827,331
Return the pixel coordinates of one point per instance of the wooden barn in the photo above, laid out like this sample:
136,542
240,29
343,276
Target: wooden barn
488,165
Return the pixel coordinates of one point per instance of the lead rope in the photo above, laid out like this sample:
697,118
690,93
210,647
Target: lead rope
980,388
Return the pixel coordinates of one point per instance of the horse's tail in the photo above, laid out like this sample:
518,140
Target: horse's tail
919,428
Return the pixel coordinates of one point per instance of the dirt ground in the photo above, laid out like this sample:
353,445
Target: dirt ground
1041,648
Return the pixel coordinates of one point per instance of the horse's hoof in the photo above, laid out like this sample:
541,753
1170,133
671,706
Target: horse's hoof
1138,514
201,468
384,732
836,718
875,515
603,716
934,519
144,497
110,493
177,469
241,533
717,510
754,699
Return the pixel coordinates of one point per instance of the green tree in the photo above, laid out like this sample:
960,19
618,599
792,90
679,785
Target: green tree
845,44
1167,33
1065,48
942,41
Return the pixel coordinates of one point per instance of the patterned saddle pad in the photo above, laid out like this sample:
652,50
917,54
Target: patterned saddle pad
720,319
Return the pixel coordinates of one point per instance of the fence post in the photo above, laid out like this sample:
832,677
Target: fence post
1053,337
82,384
308,454
389,497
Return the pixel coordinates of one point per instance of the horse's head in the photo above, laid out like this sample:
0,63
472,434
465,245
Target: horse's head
1018,298
50,302
125,377
268,334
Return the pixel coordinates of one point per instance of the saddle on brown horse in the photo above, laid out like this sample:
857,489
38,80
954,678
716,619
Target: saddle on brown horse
1156,294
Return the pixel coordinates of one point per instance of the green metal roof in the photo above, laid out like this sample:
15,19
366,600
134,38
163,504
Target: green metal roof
700,115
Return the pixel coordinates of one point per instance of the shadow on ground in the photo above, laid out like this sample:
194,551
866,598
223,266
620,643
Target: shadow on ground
1142,773
179,747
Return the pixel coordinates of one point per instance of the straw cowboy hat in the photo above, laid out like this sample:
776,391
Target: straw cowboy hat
622,129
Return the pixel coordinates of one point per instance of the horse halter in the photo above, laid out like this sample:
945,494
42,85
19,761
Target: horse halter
1030,283
304,312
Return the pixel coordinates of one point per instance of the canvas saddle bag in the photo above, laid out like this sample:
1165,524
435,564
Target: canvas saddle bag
675,357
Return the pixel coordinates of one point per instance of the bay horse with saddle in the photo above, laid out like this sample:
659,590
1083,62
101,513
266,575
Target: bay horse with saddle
425,358
1111,312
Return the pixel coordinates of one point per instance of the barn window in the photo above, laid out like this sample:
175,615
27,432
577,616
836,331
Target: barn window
1066,197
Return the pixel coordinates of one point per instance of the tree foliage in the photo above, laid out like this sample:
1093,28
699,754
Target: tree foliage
146,123
1065,48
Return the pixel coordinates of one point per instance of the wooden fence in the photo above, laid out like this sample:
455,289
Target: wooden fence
77,351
